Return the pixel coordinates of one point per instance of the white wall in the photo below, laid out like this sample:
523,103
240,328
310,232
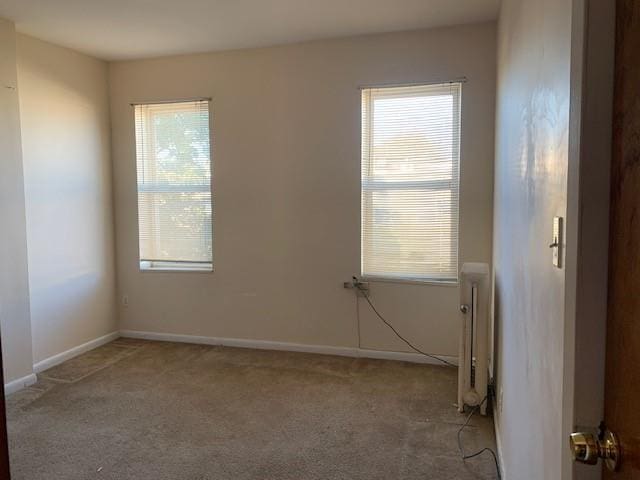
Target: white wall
532,135
14,287
286,156
64,114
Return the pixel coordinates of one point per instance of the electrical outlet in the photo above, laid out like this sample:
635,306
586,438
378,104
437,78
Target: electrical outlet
125,300
361,288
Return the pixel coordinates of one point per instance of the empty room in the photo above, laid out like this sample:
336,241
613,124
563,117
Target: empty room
283,239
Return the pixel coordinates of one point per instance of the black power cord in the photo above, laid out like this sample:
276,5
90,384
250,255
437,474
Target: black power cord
464,456
479,452
365,294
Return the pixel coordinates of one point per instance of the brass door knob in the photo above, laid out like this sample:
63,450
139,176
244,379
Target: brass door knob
584,448
587,449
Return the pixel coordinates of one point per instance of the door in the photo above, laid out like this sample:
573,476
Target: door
4,447
622,393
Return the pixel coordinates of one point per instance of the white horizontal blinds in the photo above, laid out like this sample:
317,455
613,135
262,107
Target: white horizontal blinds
174,183
410,170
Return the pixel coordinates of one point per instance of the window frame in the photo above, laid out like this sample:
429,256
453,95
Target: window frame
407,185
175,266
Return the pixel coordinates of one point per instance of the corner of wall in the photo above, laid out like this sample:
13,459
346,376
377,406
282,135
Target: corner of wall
14,287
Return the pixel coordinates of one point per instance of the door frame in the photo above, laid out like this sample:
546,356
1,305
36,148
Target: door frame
587,235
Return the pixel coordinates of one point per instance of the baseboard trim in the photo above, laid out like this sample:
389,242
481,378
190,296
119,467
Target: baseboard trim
74,352
496,427
288,347
20,383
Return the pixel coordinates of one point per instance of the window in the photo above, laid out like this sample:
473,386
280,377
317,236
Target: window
410,158
174,186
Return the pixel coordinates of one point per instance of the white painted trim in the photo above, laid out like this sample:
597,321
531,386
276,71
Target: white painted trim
404,356
20,383
74,352
496,427
288,347
47,363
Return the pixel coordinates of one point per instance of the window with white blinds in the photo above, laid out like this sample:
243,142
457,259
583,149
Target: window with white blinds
410,178
174,186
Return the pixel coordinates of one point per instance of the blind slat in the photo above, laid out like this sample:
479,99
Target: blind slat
175,208
410,181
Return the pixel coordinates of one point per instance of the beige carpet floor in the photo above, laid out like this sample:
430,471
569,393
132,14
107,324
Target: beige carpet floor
158,411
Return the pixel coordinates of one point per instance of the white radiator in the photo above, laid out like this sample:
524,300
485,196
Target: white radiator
473,357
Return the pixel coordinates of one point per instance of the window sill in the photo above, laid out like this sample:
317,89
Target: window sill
410,281
176,267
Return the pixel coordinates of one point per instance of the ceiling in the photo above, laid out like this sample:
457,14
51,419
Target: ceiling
126,29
